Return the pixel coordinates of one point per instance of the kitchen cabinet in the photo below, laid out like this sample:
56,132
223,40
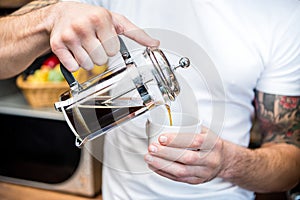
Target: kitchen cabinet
38,148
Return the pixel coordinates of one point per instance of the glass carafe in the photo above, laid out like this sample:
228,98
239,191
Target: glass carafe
131,86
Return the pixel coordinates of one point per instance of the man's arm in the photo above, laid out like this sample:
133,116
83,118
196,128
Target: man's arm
276,165
33,5
23,37
278,118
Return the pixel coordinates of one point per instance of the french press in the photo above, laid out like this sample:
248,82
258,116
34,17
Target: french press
126,90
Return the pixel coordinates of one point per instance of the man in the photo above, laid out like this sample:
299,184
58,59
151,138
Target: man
256,51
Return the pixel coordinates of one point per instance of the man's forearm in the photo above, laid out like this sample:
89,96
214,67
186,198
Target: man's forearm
23,37
274,167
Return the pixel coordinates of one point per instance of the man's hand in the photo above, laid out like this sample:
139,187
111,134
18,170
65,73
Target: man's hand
172,158
81,34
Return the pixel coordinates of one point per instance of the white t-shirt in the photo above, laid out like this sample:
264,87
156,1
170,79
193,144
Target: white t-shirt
252,44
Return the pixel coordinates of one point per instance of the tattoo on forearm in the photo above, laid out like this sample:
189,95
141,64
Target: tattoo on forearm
34,5
279,118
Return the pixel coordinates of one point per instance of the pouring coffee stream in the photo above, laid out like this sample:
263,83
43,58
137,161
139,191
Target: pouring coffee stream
121,93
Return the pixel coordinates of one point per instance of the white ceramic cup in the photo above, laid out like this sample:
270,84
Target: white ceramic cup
159,122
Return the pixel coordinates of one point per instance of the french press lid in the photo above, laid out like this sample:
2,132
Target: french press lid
164,72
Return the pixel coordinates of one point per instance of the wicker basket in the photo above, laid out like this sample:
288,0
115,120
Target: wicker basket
46,94
41,94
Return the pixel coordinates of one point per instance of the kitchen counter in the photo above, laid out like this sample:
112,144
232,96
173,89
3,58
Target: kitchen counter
17,192
16,104
12,102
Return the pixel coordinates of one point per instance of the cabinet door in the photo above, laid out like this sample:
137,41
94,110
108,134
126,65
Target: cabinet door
37,149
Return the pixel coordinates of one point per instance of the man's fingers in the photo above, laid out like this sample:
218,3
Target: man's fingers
175,169
181,155
141,37
111,45
67,59
95,50
182,140
108,38
82,57
128,29
205,141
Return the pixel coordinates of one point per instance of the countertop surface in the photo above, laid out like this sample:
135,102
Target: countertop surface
16,192
15,104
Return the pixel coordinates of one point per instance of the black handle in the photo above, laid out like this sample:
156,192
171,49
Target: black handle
123,49
68,75
124,52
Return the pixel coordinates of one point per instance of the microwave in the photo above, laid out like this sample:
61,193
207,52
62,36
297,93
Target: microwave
38,148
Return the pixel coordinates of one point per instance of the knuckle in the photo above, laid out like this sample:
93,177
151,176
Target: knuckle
99,17
68,37
95,19
121,20
80,29
55,45
190,158
197,141
57,48
181,172
119,17
215,162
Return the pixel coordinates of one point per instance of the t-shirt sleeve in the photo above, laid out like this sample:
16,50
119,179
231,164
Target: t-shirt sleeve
281,74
